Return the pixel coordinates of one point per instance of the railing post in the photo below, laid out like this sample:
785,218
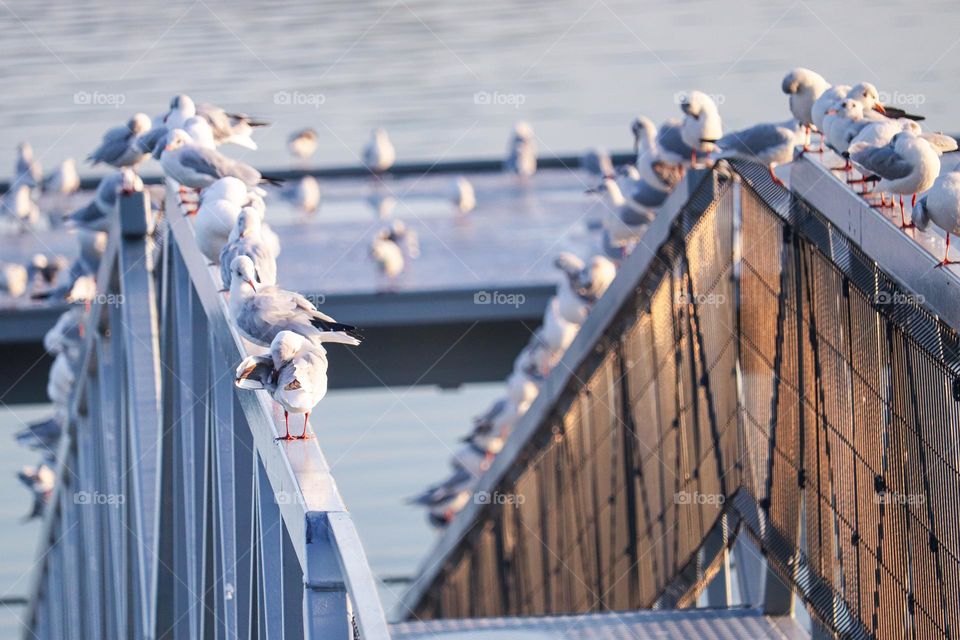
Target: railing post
325,609
141,385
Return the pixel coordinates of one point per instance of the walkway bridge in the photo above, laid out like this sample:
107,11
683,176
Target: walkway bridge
767,386
762,409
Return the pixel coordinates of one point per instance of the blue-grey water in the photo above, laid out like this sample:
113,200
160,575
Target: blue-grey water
447,79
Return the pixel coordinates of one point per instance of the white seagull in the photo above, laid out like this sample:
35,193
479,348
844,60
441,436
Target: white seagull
701,123
462,195
262,311
246,240
27,170
379,154
65,180
303,143
522,151
907,165
941,205
769,144
196,167
119,146
294,374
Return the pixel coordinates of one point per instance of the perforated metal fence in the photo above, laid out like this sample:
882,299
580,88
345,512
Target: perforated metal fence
764,377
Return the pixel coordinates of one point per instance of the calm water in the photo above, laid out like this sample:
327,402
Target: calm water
447,79
578,71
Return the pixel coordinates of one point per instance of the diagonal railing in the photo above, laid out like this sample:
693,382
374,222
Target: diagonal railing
176,514
751,370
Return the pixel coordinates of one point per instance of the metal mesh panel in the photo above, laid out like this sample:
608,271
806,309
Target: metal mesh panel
628,476
776,367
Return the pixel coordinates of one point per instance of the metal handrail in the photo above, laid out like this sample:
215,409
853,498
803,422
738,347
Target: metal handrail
219,528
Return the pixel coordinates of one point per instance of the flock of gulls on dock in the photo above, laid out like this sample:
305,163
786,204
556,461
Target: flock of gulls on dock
225,200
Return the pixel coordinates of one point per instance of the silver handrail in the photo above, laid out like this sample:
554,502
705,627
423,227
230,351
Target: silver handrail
176,514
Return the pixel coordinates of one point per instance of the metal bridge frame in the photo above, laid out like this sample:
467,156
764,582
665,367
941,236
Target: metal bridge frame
176,514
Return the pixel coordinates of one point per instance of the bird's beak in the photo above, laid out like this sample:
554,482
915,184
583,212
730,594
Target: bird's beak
879,107
252,286
831,112
169,147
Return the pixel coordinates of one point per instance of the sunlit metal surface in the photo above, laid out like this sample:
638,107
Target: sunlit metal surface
207,526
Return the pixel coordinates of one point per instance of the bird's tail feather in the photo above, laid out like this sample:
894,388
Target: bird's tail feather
272,180
337,327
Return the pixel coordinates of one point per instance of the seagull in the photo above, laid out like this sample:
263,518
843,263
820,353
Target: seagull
864,93
941,205
226,128
597,162
78,285
388,255
230,128
262,311
152,141
43,270
585,283
200,132
522,151
193,166
303,143
670,143
462,195
213,221
879,133
294,374
245,240
13,279
701,123
379,154
66,334
804,88
27,170
97,213
405,238
444,498
40,480
907,165
64,180
18,204
61,381
557,333
119,146
625,219
651,165
382,203
304,194
43,435
768,144
842,125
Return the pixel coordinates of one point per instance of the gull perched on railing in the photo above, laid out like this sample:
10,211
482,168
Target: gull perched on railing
226,128
294,373
907,165
119,146
941,205
40,480
769,144
245,240
701,123
197,167
804,87
263,311
652,165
